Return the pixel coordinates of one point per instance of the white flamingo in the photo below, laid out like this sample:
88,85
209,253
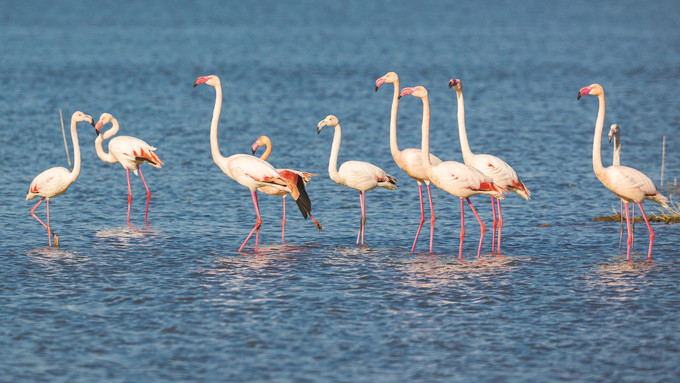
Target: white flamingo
614,134
358,175
502,174
295,177
129,152
626,183
453,177
247,170
409,160
55,181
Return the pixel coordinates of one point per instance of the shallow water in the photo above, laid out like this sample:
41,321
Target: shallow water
175,301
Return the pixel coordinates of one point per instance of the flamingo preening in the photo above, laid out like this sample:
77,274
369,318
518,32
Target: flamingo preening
247,170
626,183
358,175
409,160
129,152
453,177
614,134
502,174
295,177
55,181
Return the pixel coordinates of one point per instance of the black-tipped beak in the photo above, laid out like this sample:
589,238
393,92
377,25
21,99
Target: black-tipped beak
254,151
579,96
194,84
399,97
450,84
96,132
376,88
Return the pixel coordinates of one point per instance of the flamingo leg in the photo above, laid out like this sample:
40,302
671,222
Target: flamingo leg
422,216
49,237
318,225
462,230
632,225
129,195
483,228
630,236
500,224
283,221
362,199
494,225
651,232
432,218
621,235
148,194
257,224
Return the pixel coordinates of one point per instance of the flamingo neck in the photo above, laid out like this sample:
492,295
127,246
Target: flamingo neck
464,145
214,146
617,150
597,140
98,143
267,152
425,146
394,148
76,152
335,149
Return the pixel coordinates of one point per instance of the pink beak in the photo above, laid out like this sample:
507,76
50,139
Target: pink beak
379,82
255,146
201,80
406,91
98,126
583,92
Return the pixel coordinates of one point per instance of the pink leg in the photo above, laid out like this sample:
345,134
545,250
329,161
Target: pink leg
362,198
462,230
49,232
283,221
257,224
148,195
432,218
318,225
630,235
494,225
422,216
651,232
632,226
481,240
500,224
621,235
49,237
129,195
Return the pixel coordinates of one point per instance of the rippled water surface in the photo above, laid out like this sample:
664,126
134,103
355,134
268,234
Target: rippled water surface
175,301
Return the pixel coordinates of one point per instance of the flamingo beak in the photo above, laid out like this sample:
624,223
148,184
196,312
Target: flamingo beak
201,80
453,83
379,82
583,92
320,125
406,91
610,136
98,126
255,146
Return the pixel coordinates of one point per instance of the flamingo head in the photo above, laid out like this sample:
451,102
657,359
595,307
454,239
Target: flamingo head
104,119
417,91
456,84
613,131
80,116
594,89
210,80
262,141
391,78
330,120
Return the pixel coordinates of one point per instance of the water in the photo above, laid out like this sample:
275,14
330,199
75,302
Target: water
175,301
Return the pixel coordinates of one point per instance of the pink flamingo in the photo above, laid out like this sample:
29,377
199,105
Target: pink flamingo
614,132
247,170
409,160
502,174
626,183
129,152
55,181
453,177
295,177
358,175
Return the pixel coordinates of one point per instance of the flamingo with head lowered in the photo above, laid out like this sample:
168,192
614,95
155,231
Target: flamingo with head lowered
248,170
55,181
295,177
626,183
493,167
357,175
457,179
129,152
409,160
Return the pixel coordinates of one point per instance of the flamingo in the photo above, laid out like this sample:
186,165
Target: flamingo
493,167
54,181
614,132
357,175
295,177
457,179
129,152
409,160
626,183
247,170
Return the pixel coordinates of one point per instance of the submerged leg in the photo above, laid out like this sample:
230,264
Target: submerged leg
148,195
422,216
483,228
257,224
651,232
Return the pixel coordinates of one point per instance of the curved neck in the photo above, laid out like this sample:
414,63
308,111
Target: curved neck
214,146
333,162
76,151
464,145
597,140
394,148
106,157
425,145
617,150
267,152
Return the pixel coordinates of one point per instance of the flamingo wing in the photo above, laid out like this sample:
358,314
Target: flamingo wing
49,183
625,181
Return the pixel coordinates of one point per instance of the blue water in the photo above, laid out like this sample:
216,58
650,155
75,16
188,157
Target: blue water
175,301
